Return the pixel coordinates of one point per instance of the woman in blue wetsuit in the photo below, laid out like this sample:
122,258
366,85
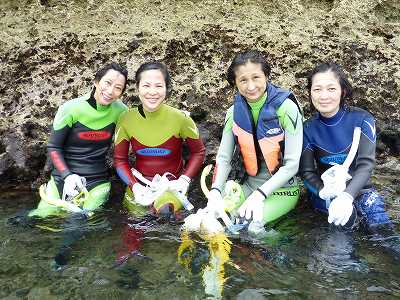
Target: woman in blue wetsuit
344,191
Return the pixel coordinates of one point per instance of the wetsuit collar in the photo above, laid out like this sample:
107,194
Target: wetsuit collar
93,103
156,113
102,107
332,120
259,103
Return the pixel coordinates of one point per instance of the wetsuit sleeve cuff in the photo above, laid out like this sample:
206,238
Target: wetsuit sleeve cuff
65,174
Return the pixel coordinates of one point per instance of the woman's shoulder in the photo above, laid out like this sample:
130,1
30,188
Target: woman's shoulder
129,113
177,114
311,120
74,104
358,112
119,105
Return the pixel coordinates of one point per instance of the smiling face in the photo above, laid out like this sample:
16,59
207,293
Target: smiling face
152,89
326,93
250,81
109,87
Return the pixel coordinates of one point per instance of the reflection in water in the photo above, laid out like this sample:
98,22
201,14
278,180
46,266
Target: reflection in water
297,261
210,263
72,228
333,252
132,239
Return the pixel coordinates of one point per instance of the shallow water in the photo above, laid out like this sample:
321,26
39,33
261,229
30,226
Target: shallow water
299,259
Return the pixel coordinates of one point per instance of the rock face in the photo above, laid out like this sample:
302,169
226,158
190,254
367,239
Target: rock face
51,49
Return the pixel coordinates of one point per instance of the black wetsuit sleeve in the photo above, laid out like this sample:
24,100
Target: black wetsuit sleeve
55,150
361,169
308,171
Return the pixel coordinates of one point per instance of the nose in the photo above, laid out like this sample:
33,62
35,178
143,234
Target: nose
152,91
324,94
109,89
251,86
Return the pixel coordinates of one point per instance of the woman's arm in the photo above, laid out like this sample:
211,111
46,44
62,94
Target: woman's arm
225,153
61,127
308,170
121,151
365,161
190,134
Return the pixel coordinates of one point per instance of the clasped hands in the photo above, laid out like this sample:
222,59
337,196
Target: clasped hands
73,185
341,205
146,195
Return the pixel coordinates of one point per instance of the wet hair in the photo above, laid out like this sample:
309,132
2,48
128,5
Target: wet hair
347,89
243,58
155,65
111,66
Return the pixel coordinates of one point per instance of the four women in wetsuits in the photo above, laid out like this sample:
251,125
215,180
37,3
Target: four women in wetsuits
263,130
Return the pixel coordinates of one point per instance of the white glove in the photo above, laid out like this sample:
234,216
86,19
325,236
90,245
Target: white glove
73,185
142,194
334,180
341,209
180,185
215,203
253,207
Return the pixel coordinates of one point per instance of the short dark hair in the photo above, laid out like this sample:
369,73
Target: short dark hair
155,65
112,66
347,89
243,58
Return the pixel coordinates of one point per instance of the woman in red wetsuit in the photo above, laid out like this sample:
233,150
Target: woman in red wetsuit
156,133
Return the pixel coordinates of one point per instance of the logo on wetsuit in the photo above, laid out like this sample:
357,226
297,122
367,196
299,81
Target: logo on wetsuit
153,152
94,135
334,159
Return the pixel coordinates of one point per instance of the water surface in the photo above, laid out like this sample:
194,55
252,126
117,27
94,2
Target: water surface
301,258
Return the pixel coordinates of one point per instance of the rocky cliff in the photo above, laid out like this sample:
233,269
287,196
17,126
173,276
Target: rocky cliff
50,50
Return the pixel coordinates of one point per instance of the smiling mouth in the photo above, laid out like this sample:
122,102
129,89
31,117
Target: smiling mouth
106,98
253,93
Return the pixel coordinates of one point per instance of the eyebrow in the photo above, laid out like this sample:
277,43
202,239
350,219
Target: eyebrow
251,74
146,82
329,84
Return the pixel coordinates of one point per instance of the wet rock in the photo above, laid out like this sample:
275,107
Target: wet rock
391,165
251,294
45,61
6,162
40,293
391,138
378,289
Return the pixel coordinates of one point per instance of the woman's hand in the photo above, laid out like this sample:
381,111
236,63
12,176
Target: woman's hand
180,185
341,209
253,207
215,203
73,185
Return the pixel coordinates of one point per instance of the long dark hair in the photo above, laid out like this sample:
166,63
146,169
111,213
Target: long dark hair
347,89
155,65
243,58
